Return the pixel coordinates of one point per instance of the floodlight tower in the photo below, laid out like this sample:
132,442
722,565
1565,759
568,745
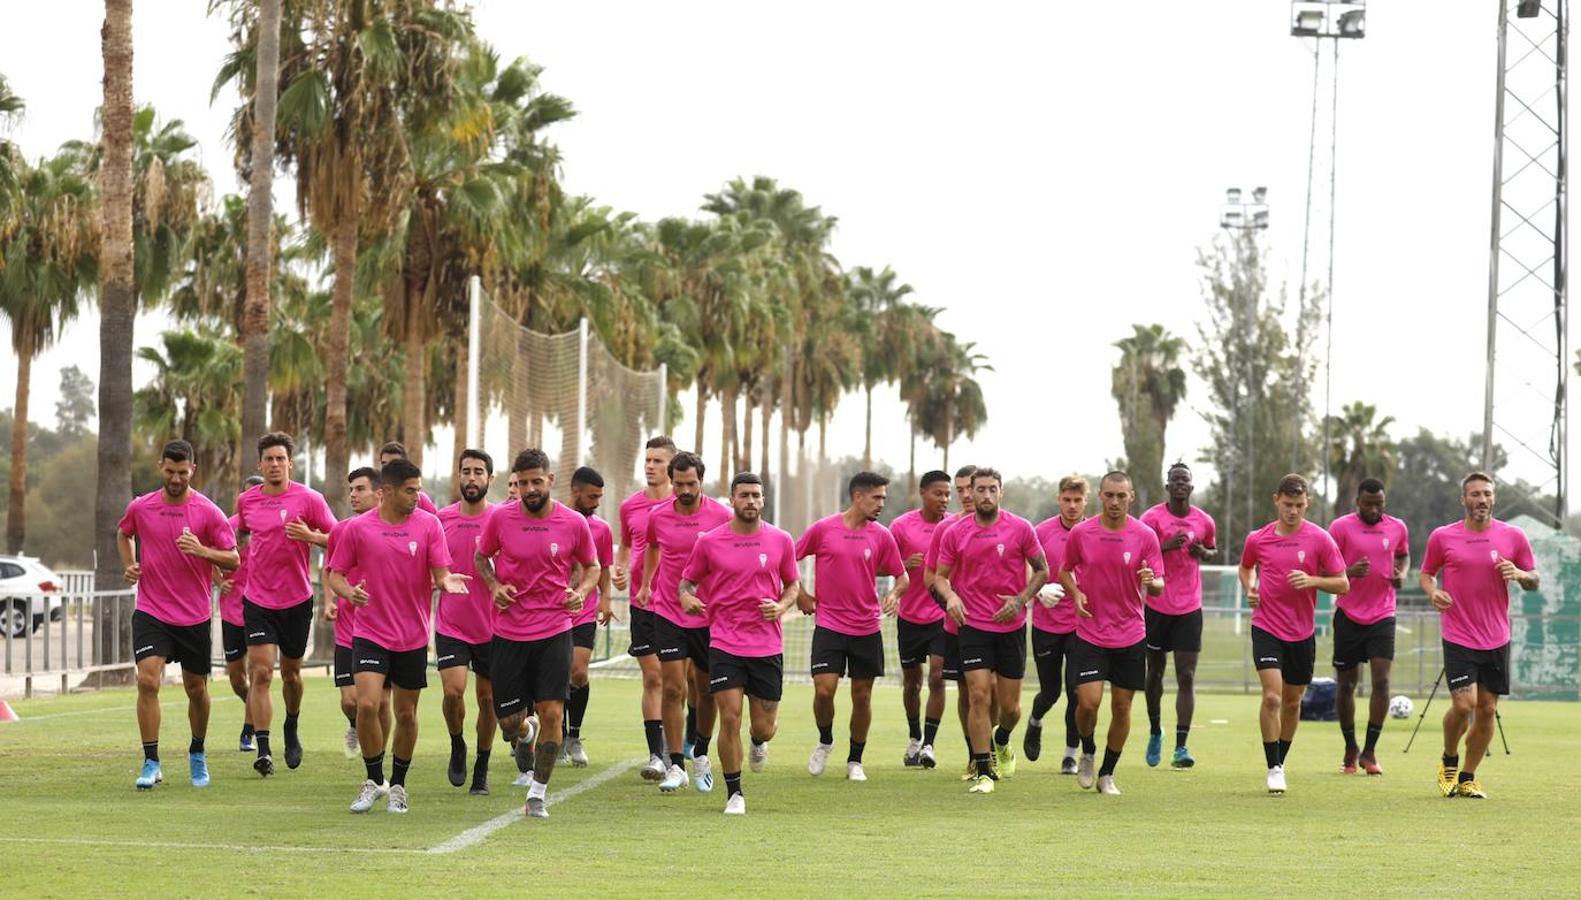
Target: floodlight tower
1245,220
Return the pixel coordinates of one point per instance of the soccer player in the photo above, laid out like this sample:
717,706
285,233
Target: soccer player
673,527
1477,557
850,549
512,489
743,578
284,521
983,575
1110,563
399,556
362,495
1284,565
1054,627
393,450
170,542
464,625
233,630
525,556
587,491
1379,548
1187,537
633,539
919,622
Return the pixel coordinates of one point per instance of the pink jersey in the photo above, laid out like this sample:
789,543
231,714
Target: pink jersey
912,535
231,600
1371,597
1106,564
989,562
466,617
674,533
175,587
1053,535
278,577
604,549
633,517
734,574
535,556
1183,588
345,610
393,561
845,572
1283,611
1479,617
930,562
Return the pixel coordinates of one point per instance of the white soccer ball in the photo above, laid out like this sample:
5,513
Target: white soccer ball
1400,707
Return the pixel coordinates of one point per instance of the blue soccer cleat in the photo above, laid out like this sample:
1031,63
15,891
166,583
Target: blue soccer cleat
199,765
151,775
1155,749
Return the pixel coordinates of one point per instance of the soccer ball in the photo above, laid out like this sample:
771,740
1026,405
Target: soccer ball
1400,707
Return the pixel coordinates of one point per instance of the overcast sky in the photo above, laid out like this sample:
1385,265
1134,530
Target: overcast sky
1045,174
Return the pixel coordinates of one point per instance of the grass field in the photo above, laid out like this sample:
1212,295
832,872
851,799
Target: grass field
71,823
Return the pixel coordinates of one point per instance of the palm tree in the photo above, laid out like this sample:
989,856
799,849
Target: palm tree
950,402
11,107
47,261
1359,447
1148,384
881,303
195,394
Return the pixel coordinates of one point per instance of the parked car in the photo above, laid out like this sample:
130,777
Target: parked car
21,576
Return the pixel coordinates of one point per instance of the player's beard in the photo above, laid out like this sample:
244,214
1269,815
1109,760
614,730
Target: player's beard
535,502
472,493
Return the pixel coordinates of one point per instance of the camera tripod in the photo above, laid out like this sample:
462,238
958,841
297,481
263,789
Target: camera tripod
1436,682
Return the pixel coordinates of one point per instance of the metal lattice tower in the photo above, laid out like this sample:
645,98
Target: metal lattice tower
1528,355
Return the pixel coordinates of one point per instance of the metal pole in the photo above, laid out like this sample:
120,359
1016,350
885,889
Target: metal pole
1561,280
1328,328
1493,252
581,392
474,359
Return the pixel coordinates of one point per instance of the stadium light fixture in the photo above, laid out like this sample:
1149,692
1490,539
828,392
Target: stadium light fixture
1328,18
1528,9
1238,214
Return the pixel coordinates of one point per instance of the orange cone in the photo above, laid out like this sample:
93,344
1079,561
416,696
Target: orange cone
7,714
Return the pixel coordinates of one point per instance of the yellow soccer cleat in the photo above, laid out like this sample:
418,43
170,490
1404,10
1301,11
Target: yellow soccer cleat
1471,789
1446,779
1004,761
971,770
982,784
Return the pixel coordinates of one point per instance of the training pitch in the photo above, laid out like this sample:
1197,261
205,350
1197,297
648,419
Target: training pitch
72,824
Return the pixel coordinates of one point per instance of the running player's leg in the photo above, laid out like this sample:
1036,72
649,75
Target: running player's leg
861,720
260,675
1119,731
1377,711
691,710
386,716
703,724
824,686
1457,720
1345,681
1478,738
196,685
453,683
652,715
576,706
728,705
980,692
551,732
911,702
1185,703
483,689
291,697
675,688
1269,723
1008,690
1089,696
933,713
404,742
369,686
1157,662
1048,660
150,671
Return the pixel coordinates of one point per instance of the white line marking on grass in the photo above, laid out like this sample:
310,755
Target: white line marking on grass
176,845
476,834
121,709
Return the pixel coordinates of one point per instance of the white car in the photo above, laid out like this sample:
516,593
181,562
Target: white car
22,580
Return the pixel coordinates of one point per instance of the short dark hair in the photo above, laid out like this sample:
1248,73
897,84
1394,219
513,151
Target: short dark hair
1475,476
587,475
965,471
397,472
1180,465
686,462
987,472
1115,475
367,472
933,477
1292,485
531,458
744,478
865,481
177,451
660,442
480,455
1369,486
276,439
252,481
396,447
1073,483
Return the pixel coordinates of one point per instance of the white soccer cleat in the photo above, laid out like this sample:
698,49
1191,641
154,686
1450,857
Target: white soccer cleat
819,759
1276,780
854,772
1084,771
351,746
397,802
702,774
757,758
1106,785
576,753
674,779
913,755
736,805
523,779
654,770
371,791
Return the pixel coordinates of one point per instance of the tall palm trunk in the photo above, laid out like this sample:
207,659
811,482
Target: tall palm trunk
702,408
744,448
911,473
867,445
260,216
462,415
337,454
727,436
16,514
414,396
117,307
520,397
768,415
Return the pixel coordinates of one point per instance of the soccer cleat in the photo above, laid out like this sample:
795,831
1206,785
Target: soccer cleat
1276,780
928,759
1446,779
576,753
293,751
245,744
350,745
1155,749
1004,761
654,770
457,770
819,759
537,808
913,757
532,730
397,801
1084,773
198,766
480,787
854,772
1472,790
1032,743
1369,764
1106,785
757,758
1067,765
1182,759
370,792
150,776
702,775
523,779
971,769
736,805
981,784
1348,766
264,766
674,779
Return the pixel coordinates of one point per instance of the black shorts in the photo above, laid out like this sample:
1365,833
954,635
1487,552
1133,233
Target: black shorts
1487,669
526,672
677,642
1293,659
285,628
453,651
1049,653
1182,633
406,669
584,635
1003,652
1122,667
952,657
856,656
233,639
345,666
642,642
1355,644
187,645
761,677
918,642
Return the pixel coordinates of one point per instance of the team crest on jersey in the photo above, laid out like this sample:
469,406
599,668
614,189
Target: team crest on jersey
867,552
1385,543
1000,549
1301,556
1493,555
1127,555
763,560
1191,537
554,549
283,514
411,548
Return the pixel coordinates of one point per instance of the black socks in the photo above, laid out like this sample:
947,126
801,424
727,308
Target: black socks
1001,737
1373,732
733,784
262,738
196,746
375,766
1271,753
930,730
151,750
1110,758
825,734
856,751
652,729
398,771
700,746
914,728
